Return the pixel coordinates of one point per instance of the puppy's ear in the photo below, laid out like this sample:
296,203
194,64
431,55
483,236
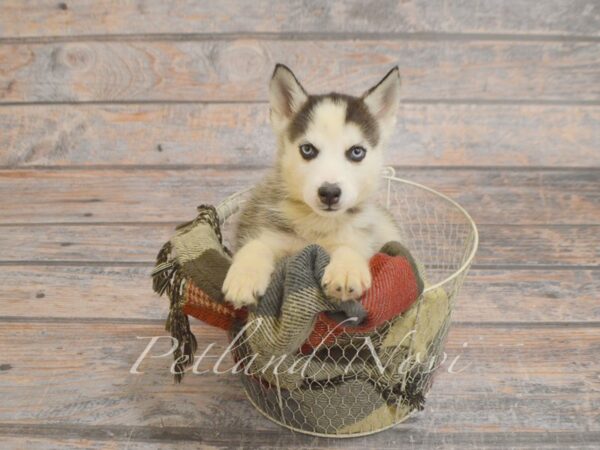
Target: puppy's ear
286,95
383,98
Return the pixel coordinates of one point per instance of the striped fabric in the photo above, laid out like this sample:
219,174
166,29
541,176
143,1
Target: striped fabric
295,324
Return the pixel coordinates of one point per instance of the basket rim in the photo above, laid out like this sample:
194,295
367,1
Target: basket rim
465,266
229,206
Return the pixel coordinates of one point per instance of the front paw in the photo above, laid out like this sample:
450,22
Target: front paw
347,276
246,281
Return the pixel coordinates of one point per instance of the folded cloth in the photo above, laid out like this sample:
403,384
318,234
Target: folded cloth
340,389
294,312
298,325
396,285
190,269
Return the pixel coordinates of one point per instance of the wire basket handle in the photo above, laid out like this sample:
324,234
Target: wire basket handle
230,205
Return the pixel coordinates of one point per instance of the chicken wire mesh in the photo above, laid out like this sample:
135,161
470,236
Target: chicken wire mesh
360,383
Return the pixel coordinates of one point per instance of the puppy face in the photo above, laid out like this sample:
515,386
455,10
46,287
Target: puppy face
330,146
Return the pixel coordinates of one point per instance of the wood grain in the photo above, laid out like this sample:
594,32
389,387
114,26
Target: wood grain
532,197
179,134
547,245
78,374
61,437
87,17
124,293
116,119
177,438
238,70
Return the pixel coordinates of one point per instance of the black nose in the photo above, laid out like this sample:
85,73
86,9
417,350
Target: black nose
329,193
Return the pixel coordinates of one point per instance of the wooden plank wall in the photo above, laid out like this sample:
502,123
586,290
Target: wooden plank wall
109,110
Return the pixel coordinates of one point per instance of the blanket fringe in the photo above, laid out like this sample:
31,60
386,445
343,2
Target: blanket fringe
167,278
414,392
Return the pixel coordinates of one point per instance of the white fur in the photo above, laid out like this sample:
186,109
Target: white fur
356,229
332,136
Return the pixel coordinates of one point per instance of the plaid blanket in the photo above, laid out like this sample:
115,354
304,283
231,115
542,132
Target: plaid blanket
295,322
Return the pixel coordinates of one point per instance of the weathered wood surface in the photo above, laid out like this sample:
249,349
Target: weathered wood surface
62,437
88,192
41,438
529,245
80,291
82,378
88,17
183,134
237,70
139,194
123,292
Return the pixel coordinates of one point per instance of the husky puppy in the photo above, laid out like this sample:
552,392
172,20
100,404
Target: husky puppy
329,163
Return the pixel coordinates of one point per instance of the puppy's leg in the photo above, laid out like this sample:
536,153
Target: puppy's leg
347,276
249,274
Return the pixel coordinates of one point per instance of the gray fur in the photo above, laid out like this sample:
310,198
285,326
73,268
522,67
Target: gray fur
262,210
356,112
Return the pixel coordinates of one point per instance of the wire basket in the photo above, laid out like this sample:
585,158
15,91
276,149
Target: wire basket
348,388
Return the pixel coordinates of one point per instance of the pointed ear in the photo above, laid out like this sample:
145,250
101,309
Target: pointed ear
286,95
383,98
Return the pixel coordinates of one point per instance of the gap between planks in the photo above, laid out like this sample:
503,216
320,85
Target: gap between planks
150,264
302,36
406,101
151,223
142,321
250,167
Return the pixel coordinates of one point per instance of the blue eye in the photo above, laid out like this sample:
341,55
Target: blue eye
356,153
308,151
